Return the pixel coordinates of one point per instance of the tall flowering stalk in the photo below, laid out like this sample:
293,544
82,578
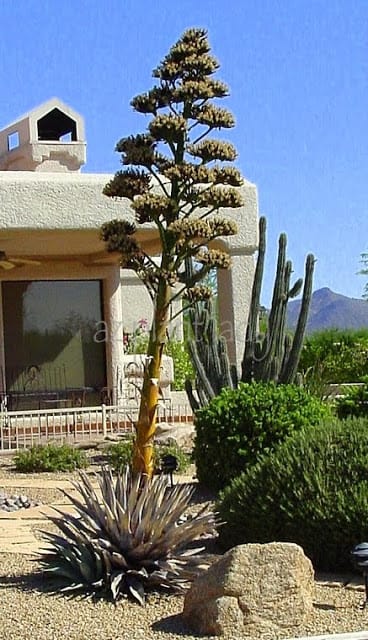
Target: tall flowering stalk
175,178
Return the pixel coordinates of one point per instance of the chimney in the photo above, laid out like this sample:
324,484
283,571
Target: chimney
48,138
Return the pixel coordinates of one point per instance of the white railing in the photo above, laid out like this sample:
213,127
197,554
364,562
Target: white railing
19,429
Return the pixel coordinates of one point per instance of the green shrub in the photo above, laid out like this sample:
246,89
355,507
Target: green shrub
240,425
183,368
120,455
312,490
50,457
334,356
354,403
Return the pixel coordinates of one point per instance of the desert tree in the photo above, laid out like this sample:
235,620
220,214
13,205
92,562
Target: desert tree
177,176
364,272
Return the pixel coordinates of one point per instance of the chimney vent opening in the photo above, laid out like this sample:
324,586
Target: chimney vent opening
56,125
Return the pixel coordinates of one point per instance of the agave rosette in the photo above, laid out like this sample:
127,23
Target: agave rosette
127,538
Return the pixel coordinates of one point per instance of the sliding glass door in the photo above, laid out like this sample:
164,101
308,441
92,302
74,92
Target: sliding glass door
49,335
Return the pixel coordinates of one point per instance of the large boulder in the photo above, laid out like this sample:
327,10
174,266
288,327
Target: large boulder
252,589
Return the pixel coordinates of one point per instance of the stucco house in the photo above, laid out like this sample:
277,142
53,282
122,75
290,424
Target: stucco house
64,301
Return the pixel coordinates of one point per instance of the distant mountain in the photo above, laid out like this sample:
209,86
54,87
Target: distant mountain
331,310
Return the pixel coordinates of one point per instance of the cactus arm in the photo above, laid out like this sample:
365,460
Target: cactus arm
280,340
215,369
226,374
291,365
252,325
203,398
200,370
190,393
275,317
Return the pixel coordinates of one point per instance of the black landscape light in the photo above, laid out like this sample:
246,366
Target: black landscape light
360,559
169,464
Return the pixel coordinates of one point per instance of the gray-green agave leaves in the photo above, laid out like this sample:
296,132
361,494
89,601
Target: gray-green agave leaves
128,540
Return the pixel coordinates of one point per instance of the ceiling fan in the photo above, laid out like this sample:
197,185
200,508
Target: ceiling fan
10,262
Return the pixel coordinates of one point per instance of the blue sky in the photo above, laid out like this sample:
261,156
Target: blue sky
298,74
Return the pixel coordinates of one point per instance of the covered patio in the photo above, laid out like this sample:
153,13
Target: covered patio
64,301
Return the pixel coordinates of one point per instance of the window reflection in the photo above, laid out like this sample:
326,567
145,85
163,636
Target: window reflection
49,329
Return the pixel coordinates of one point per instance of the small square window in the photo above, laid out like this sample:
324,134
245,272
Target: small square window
13,140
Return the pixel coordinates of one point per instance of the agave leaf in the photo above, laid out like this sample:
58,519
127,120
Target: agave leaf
135,588
121,488
185,533
106,557
150,510
181,535
133,494
67,528
106,483
90,509
54,538
72,587
98,583
118,560
110,507
100,568
123,518
87,565
116,580
103,543
141,552
130,538
138,572
111,523
160,579
61,572
84,524
136,517
176,503
191,552
85,488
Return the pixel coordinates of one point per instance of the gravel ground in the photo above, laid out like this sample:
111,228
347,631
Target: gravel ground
29,613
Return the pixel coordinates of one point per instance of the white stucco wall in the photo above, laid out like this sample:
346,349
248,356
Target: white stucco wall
33,202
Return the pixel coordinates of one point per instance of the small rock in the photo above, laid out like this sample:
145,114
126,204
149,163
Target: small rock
13,502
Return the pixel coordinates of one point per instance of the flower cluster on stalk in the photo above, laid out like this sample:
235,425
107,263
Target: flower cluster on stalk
173,173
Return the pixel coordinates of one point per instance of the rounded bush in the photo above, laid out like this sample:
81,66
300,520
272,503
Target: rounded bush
50,457
312,490
240,425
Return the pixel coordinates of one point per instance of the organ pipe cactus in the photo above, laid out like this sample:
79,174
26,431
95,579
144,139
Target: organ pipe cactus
209,356
273,356
208,352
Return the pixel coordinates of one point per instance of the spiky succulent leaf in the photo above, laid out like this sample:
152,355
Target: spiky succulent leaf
129,536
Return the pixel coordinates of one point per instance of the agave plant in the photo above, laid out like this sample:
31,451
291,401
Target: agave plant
131,539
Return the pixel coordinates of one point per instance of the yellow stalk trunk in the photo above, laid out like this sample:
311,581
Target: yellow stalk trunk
146,425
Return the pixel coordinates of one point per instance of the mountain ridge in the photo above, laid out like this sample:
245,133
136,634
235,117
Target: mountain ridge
330,310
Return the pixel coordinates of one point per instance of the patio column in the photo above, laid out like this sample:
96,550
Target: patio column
234,295
113,329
